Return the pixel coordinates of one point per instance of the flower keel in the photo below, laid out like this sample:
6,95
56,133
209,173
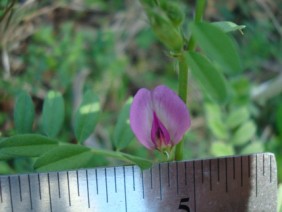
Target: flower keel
159,134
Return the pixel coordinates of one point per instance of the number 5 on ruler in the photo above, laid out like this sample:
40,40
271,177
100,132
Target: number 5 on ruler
183,204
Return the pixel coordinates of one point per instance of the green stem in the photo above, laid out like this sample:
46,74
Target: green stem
182,78
200,9
118,155
183,70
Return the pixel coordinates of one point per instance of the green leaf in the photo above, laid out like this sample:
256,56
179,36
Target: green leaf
24,113
244,133
215,122
211,80
5,168
165,31
26,145
122,132
141,162
86,116
254,147
237,117
278,119
65,157
53,113
217,45
219,149
228,26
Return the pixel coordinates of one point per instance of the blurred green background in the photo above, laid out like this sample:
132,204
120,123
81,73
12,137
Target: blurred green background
109,47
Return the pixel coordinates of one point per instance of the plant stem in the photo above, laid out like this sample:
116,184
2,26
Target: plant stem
182,78
116,154
200,9
183,70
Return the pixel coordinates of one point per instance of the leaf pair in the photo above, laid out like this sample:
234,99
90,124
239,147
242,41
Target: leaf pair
223,57
53,156
52,115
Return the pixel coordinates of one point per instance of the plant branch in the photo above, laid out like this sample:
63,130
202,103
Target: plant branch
183,70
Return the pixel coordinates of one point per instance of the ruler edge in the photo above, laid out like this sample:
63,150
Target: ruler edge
274,166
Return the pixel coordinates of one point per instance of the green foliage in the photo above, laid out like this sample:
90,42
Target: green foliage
244,133
24,113
219,149
217,45
25,145
64,158
88,52
210,79
227,26
173,12
237,117
86,116
141,162
53,113
165,18
253,147
123,135
166,32
278,119
215,121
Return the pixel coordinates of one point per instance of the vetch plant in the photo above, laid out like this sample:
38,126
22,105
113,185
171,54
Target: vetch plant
159,118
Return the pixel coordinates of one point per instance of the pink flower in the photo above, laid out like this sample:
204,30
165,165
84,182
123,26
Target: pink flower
159,118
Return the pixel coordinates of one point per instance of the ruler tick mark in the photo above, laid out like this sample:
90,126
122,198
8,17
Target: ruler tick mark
29,188
270,164
1,191
151,173
160,180
194,179
20,187
210,166
49,191
168,175
263,164
226,176
234,168
249,166
177,186
87,187
124,181
59,184
115,176
11,197
256,175
142,179
39,185
202,168
218,176
106,183
185,172
97,188
133,178
68,181
77,183
241,171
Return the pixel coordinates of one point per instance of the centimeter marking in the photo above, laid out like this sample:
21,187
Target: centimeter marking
239,183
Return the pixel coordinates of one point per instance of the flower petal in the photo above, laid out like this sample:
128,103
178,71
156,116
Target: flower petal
171,111
159,134
141,117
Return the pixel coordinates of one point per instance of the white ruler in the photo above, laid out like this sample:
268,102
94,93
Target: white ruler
239,183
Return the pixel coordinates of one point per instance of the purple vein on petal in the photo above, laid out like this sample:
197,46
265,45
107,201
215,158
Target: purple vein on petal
159,134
